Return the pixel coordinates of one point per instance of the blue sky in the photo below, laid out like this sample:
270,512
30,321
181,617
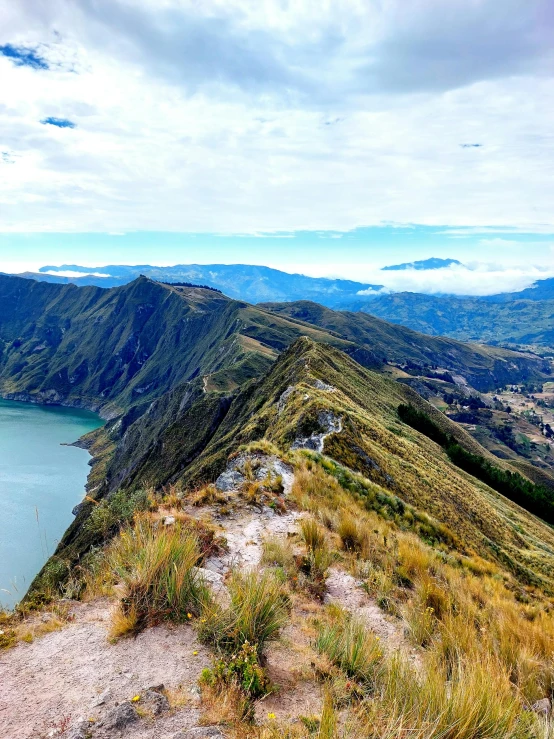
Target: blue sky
357,254
199,129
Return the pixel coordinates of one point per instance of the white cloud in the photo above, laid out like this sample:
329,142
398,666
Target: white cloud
476,278
71,273
212,116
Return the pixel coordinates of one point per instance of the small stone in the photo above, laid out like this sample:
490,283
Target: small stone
157,688
542,707
121,717
169,520
103,697
79,731
154,702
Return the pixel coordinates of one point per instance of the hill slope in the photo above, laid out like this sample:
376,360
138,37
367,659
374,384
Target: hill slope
522,321
110,349
484,367
314,392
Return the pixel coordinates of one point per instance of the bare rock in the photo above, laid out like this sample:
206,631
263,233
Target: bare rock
169,520
229,480
103,697
121,716
154,702
79,731
542,707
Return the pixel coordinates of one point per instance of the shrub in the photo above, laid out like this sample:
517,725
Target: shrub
242,668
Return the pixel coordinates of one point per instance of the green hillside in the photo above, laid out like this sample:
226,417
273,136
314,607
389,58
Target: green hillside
484,367
110,349
523,322
188,436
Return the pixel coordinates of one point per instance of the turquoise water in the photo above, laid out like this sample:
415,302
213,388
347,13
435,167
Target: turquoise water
40,482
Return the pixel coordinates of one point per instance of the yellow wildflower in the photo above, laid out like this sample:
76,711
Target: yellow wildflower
271,715
136,698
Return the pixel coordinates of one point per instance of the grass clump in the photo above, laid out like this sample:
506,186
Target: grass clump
257,611
353,648
155,567
313,565
240,631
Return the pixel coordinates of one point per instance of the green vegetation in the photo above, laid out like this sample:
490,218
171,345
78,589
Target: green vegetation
156,567
534,498
256,613
352,648
524,322
484,367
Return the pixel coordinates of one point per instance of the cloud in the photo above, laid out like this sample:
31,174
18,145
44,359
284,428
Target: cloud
24,56
433,45
59,122
475,279
244,117
71,273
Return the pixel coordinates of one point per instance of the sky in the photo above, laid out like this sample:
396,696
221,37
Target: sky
329,137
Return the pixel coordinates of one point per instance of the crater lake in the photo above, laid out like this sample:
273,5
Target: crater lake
41,480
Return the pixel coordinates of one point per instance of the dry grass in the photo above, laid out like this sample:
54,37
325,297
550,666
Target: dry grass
155,570
27,626
256,613
351,647
225,704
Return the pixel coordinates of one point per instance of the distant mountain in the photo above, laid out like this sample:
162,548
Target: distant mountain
251,283
432,263
514,322
541,290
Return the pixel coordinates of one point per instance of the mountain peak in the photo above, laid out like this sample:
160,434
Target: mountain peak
431,263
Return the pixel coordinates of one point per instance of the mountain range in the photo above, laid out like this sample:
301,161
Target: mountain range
251,283
519,319
279,469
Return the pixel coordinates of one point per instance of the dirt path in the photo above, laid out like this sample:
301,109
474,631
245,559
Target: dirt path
60,677
57,679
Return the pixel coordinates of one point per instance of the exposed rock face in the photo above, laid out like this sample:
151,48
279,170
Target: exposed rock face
257,467
330,424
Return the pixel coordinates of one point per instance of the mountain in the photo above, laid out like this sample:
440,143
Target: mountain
109,349
188,435
306,546
251,283
484,367
507,321
540,290
432,263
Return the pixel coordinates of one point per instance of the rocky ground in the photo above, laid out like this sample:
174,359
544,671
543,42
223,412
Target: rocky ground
75,683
